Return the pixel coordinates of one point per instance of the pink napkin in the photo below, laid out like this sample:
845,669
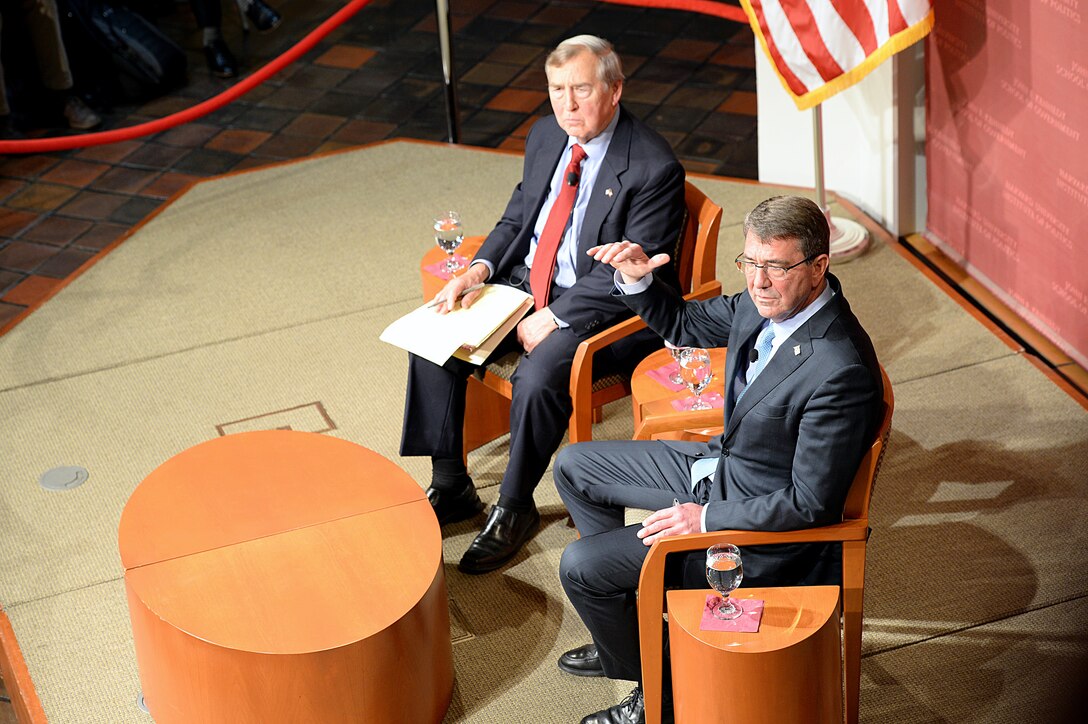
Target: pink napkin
714,399
661,376
439,269
747,622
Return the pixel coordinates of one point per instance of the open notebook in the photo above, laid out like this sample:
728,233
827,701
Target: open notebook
469,334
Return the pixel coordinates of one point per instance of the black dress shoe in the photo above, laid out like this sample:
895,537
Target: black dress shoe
631,710
263,17
502,537
582,661
451,506
221,61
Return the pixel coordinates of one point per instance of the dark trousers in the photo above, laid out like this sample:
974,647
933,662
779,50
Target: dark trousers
208,13
434,409
540,407
600,570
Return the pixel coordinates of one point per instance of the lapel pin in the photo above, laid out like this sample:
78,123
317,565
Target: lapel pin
796,350
608,193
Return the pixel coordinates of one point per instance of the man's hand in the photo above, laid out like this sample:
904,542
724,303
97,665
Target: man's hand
629,258
450,297
533,329
677,520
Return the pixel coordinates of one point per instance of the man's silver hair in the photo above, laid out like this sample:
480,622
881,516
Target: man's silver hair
609,69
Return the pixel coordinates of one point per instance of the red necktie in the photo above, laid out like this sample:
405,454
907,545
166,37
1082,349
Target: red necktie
547,246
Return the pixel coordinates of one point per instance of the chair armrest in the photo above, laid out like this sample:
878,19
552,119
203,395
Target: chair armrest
583,356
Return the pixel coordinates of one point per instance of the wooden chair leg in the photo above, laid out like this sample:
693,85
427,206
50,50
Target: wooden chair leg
853,593
487,415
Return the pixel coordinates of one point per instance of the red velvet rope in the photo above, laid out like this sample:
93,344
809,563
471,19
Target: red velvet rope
64,143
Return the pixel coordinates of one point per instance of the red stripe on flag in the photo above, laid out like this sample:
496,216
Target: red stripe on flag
808,32
792,81
856,15
896,22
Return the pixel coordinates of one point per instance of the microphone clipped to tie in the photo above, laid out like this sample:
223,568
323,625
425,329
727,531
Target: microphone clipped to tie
753,355
572,178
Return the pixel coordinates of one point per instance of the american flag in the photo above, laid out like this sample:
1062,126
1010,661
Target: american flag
820,47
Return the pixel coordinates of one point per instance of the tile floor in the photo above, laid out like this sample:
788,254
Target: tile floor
377,76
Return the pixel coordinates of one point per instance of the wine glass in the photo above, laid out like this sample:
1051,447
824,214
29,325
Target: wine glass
448,234
696,371
724,573
675,351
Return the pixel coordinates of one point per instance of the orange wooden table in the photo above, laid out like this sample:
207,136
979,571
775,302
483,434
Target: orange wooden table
286,576
788,672
645,390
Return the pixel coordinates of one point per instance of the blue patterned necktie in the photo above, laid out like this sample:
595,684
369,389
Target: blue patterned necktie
763,350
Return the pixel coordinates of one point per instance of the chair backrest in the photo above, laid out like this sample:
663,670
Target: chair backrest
861,489
697,247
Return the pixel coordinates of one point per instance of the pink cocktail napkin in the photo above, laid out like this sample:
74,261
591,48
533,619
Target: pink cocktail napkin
747,622
439,269
661,376
714,399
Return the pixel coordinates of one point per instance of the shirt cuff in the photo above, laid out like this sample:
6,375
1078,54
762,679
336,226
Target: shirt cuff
702,519
486,263
640,286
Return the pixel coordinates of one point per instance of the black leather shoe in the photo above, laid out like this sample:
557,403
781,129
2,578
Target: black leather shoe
221,61
502,537
582,661
631,710
451,506
263,17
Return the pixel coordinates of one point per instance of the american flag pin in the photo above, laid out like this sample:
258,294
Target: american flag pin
608,193
796,350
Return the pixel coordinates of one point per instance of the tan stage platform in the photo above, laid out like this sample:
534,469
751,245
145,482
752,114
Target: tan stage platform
286,576
255,301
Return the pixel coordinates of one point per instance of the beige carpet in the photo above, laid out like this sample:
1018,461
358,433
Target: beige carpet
255,301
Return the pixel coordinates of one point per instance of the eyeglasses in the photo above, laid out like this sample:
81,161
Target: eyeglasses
773,271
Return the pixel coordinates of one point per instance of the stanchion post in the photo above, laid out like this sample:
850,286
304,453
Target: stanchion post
445,48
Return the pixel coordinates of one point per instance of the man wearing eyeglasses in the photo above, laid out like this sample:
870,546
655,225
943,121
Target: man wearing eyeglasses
803,399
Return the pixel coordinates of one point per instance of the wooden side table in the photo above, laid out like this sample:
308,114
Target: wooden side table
286,576
645,390
433,284
789,672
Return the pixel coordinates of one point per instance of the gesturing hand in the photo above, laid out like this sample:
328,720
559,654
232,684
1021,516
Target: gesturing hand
629,258
680,519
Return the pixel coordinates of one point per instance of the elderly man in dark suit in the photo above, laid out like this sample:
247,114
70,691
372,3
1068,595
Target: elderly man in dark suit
593,175
803,394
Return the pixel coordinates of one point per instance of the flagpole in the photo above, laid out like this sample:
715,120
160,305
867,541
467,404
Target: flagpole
848,238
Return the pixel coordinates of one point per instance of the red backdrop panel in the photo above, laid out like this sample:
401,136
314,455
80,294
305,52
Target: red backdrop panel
1007,155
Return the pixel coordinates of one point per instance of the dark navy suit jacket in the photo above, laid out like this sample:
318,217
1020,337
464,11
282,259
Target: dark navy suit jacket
638,195
792,444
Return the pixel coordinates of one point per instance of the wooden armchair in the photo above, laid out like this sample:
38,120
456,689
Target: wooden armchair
487,406
852,532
